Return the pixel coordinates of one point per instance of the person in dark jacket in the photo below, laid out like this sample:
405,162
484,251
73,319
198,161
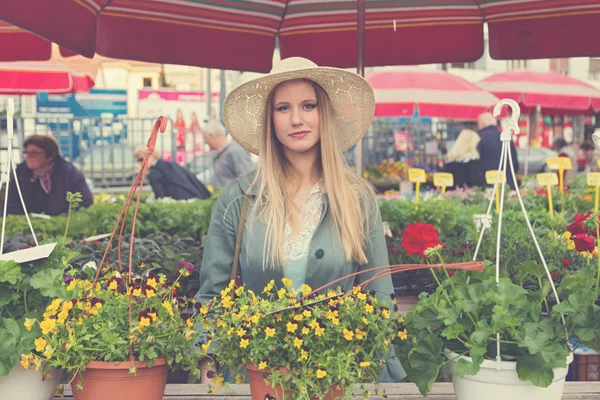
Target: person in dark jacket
45,178
490,147
171,180
463,161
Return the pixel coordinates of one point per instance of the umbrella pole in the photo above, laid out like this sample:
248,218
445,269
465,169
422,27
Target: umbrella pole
360,69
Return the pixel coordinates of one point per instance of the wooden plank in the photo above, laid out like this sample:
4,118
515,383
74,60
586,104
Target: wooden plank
394,391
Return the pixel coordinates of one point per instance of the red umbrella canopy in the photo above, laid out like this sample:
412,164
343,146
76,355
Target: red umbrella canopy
241,35
553,92
18,78
17,44
435,93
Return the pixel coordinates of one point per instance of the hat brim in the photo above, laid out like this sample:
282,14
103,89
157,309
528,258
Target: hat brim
351,96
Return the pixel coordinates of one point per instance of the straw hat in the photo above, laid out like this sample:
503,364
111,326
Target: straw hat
351,97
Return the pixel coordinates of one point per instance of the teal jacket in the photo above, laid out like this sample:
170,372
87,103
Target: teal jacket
326,258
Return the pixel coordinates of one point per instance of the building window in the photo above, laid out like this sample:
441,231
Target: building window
470,65
594,68
560,65
147,82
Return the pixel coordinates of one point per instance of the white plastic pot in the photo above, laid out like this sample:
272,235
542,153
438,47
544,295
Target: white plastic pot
26,384
499,381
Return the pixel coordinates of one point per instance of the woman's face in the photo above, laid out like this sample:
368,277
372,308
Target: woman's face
295,116
35,158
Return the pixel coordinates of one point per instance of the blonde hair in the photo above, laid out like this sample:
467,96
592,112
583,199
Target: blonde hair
465,147
351,199
140,151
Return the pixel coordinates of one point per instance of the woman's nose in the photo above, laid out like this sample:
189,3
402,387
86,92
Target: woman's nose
296,120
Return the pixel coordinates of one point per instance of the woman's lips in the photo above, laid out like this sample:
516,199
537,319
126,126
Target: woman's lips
298,135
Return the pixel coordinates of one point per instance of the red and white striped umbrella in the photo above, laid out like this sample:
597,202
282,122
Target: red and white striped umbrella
435,94
553,92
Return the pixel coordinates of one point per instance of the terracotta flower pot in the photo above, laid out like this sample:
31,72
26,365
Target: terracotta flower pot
108,380
259,389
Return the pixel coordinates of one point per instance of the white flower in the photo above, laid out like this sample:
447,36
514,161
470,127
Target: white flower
92,265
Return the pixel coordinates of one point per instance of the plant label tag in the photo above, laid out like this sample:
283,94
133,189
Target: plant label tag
27,255
40,216
547,179
593,179
563,163
416,175
492,175
444,179
97,237
482,221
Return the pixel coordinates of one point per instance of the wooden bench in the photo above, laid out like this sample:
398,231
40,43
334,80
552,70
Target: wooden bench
395,391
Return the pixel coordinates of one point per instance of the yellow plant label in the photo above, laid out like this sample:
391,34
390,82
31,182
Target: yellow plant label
490,177
593,179
416,175
563,163
547,179
444,179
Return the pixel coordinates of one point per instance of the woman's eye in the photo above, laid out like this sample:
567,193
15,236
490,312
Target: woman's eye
310,106
282,108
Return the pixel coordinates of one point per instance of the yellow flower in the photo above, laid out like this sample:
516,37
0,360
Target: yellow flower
262,365
53,307
137,292
365,363
298,317
269,286
152,282
335,321
291,327
49,352
40,344
240,378
303,355
571,245
305,330
244,343
26,360
319,331
332,314
150,293
361,296
62,316
113,285
297,342
270,331
386,314
402,335
281,293
47,325
307,313
72,285
241,332
369,308
168,307
321,374
567,235
221,324
239,291
287,282
305,289
348,334
364,319
144,321
255,318
360,334
29,324
226,301
218,380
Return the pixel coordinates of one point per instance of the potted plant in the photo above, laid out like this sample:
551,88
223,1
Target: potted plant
495,335
316,346
25,291
108,355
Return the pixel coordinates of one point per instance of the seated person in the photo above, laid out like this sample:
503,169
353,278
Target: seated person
171,180
45,178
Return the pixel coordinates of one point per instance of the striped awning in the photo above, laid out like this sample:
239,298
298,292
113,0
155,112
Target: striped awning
30,78
241,34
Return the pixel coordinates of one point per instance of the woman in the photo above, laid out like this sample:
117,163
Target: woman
311,218
463,161
168,179
45,178
179,126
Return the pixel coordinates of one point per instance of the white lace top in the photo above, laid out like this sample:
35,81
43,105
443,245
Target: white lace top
297,245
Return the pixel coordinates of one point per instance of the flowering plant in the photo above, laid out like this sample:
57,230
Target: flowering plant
90,322
25,290
327,340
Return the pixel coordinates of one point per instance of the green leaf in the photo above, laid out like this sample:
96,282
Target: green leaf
426,360
482,332
532,267
502,318
532,337
465,367
587,324
49,282
533,368
426,319
7,296
453,331
10,272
